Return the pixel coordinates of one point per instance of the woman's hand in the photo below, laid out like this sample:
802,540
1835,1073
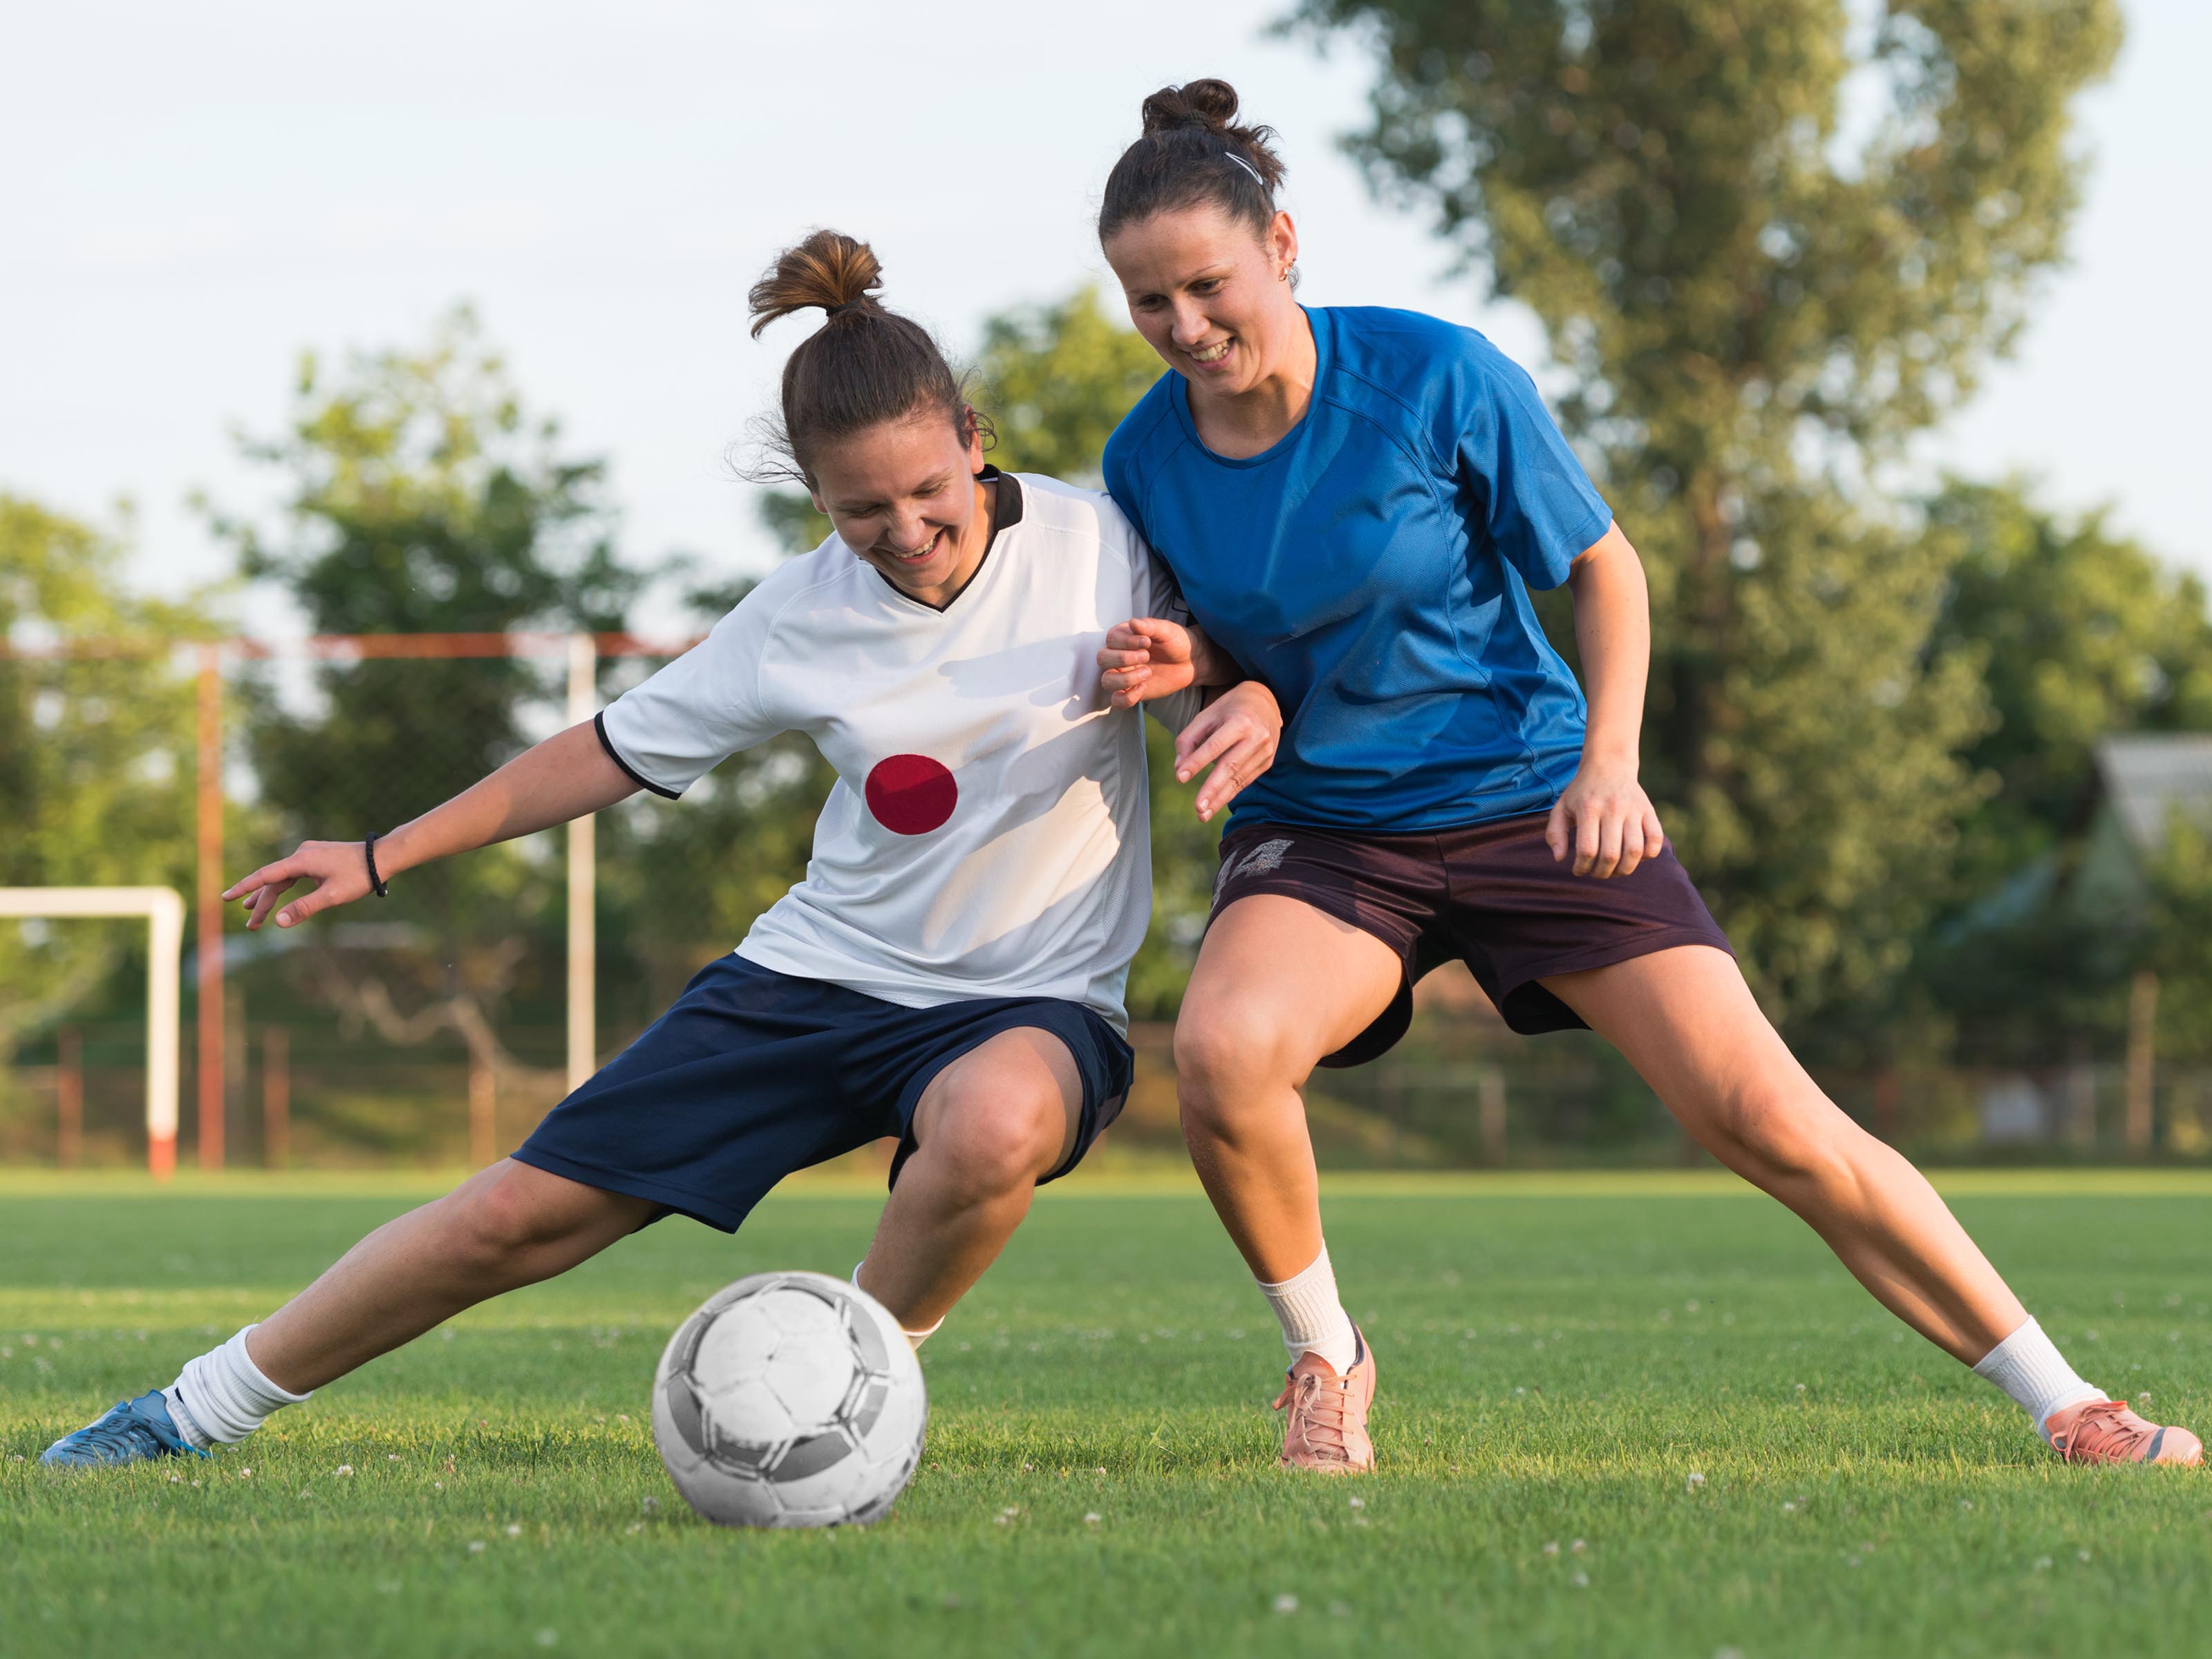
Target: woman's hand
1606,820
1149,658
1236,734
339,870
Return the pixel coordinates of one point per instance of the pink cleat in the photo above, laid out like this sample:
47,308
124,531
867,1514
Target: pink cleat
1326,1429
2106,1431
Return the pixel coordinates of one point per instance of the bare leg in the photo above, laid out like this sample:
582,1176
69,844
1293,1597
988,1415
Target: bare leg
988,1126
506,1226
1687,1021
1278,985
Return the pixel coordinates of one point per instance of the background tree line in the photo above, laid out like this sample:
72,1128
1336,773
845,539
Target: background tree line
1873,708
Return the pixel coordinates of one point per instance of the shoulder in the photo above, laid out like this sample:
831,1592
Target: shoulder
1146,434
1052,508
1433,381
1416,359
797,585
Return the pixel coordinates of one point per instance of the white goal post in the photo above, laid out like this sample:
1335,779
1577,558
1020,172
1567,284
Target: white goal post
164,911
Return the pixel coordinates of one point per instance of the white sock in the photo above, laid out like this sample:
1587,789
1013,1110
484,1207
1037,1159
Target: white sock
1313,1320
914,1339
222,1396
2028,1366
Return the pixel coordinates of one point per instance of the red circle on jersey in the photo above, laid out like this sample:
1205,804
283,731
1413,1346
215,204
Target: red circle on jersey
911,794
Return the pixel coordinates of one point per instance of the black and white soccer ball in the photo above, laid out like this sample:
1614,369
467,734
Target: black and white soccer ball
790,1400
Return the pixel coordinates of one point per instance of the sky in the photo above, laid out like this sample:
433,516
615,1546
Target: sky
193,195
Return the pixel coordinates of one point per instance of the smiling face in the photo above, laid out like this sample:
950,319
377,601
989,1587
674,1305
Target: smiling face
1210,296
903,497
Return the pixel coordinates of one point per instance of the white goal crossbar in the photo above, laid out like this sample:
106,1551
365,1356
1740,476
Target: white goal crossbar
164,911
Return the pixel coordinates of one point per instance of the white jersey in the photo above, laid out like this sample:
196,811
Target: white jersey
987,833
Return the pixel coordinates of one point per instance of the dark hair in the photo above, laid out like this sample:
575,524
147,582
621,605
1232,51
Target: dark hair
863,366
1192,151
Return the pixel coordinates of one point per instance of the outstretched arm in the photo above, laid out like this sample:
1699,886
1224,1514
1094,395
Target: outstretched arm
567,777
1604,818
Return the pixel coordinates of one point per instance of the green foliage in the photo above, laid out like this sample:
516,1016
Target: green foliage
420,497
1756,310
2074,634
1057,379
95,755
2177,945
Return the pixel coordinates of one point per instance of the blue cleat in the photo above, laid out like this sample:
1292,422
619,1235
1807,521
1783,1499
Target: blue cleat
131,1432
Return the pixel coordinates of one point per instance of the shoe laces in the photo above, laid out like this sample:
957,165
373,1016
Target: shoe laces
2103,1433
1317,1405
123,1429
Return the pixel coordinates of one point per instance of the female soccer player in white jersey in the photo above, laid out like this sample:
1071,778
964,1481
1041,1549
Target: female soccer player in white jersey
949,973
1356,503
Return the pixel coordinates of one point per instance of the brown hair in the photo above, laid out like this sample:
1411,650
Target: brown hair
865,366
1191,150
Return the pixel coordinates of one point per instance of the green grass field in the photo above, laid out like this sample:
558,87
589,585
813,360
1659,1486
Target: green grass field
1560,1359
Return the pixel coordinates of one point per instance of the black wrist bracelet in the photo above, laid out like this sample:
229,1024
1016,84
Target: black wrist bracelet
375,882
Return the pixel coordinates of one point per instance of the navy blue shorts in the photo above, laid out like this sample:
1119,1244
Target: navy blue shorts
753,1074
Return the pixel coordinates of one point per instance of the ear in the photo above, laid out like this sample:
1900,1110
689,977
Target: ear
975,425
814,494
1281,241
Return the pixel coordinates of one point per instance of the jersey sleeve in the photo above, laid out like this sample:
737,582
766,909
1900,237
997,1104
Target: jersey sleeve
698,710
1535,503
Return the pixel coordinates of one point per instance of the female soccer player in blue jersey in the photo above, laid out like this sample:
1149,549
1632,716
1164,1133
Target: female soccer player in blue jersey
950,972
1357,503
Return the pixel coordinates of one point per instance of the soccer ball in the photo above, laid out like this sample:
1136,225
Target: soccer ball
789,1400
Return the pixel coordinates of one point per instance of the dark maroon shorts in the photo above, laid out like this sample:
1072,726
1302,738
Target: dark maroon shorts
1488,894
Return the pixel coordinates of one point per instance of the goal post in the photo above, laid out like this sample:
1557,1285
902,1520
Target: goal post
164,914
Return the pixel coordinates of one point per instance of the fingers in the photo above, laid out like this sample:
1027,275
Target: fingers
1240,747
1640,839
1245,760
1125,687
328,867
1557,828
319,898
1168,641
1200,742
283,870
1124,666
1588,833
263,901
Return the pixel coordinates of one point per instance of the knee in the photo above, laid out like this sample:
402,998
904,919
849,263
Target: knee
1227,1052
503,1215
1782,1136
988,1146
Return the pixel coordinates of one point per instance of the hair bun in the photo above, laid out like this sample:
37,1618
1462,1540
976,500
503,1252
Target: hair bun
1209,105
829,270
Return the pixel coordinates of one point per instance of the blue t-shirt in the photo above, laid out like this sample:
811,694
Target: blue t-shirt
1373,568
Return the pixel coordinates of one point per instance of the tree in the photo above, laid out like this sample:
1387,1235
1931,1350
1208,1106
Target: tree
1755,310
2074,634
420,497
96,757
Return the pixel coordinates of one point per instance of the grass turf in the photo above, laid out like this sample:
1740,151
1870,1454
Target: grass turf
1560,1361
